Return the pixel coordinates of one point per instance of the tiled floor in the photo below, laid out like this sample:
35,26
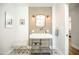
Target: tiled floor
24,51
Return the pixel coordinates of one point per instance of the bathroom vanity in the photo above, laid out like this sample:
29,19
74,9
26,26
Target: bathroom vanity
41,44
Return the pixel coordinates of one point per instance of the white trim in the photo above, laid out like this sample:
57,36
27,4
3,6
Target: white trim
6,52
53,27
66,29
9,51
27,18
59,51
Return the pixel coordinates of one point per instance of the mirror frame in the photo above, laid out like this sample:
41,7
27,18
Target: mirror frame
44,22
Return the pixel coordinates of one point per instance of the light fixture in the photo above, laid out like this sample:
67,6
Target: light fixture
47,16
33,16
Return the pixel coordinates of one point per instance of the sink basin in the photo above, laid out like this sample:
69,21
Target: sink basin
40,36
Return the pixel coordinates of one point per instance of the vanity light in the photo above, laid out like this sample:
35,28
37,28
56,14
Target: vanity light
33,17
33,31
47,16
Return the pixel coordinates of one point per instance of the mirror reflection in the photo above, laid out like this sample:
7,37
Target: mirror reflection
40,20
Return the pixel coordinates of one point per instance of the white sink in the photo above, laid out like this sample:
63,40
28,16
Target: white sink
40,36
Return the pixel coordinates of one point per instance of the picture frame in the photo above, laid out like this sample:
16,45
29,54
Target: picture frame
22,21
8,20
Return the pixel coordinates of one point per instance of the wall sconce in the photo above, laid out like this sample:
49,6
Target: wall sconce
48,17
33,17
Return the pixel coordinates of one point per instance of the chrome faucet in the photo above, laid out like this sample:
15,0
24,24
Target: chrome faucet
44,30
41,28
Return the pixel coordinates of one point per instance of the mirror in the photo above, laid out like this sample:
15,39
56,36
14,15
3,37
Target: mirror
40,20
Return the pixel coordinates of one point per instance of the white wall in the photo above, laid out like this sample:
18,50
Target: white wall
22,12
16,34
53,27
60,17
74,14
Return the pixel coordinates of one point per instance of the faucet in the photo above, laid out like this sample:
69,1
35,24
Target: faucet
41,28
44,30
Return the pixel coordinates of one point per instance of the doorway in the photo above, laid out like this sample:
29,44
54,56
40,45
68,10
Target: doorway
74,32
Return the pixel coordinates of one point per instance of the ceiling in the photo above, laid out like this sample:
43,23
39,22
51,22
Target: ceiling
31,4
73,6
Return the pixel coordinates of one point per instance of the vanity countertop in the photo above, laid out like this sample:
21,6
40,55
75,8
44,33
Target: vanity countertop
40,36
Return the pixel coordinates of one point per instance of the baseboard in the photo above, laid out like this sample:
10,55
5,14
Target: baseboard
2,53
59,51
9,51
5,52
